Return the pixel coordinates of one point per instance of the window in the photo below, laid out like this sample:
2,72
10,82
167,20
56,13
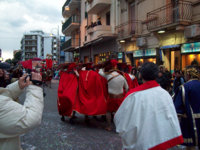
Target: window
108,18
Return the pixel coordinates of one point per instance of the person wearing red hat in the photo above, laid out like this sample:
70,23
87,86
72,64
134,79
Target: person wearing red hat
91,100
116,85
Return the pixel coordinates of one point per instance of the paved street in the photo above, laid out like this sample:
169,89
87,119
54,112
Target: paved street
54,134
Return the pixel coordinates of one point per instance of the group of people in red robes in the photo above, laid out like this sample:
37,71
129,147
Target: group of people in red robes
93,90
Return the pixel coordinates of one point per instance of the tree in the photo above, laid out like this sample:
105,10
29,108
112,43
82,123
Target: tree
18,56
9,61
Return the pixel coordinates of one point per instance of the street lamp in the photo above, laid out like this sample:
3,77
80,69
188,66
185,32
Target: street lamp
57,42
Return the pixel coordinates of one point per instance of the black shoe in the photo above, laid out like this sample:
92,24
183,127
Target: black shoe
87,121
71,120
62,118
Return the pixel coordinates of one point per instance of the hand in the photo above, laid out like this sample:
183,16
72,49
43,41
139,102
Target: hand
36,76
22,83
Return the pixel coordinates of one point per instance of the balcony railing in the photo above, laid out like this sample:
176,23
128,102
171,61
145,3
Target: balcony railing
73,6
71,24
128,29
66,4
169,15
99,28
30,51
70,44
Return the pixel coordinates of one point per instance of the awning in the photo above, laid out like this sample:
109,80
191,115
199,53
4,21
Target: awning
129,52
170,46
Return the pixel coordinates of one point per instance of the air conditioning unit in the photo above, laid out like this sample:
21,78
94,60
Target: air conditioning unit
141,42
192,31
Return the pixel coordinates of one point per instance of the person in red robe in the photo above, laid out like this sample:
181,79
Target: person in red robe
67,92
117,87
91,99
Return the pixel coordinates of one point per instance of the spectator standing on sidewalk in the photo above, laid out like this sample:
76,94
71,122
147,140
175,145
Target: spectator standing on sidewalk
178,81
17,119
187,103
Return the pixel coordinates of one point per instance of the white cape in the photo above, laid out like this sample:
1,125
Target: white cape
147,119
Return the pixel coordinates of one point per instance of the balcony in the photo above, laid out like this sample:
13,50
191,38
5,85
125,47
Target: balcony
30,44
70,7
30,51
95,6
99,31
70,44
170,16
70,25
129,29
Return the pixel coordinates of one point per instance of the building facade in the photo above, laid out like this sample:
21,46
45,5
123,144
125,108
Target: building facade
71,28
166,26
135,31
39,44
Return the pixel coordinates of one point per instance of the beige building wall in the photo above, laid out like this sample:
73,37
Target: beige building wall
102,15
83,23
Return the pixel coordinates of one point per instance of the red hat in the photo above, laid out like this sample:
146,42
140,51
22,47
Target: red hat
121,66
71,67
129,68
113,62
89,66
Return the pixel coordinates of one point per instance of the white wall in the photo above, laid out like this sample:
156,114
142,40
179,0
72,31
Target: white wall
39,46
69,57
47,46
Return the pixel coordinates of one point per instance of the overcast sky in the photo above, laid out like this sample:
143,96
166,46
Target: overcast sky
20,16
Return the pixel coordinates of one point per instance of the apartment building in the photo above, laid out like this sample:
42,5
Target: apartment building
31,44
38,44
91,25
164,31
71,27
98,37
136,31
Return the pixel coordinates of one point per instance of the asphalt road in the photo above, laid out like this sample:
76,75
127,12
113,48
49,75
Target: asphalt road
53,134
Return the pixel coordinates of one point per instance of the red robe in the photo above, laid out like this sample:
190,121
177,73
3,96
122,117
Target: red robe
91,94
135,83
131,83
67,93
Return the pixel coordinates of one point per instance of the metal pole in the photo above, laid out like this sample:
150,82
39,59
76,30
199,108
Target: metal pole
58,45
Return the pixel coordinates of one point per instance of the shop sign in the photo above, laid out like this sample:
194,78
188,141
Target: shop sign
170,46
138,53
190,47
120,55
150,52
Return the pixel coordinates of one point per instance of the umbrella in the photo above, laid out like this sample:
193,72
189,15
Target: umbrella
5,66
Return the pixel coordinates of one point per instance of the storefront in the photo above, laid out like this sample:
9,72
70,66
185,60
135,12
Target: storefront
170,49
171,57
102,57
76,56
190,52
142,56
120,57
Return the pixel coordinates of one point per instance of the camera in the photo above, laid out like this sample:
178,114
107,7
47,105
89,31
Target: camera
35,82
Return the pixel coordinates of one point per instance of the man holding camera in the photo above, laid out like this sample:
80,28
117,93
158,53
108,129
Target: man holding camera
17,119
